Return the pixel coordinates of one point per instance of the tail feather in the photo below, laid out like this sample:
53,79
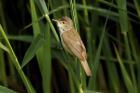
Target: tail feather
86,67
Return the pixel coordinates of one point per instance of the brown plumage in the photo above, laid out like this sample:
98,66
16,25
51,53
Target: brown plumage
72,42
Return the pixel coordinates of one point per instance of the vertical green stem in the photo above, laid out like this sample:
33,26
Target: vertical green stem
16,62
129,58
3,78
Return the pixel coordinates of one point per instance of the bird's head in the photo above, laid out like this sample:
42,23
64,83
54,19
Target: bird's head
64,24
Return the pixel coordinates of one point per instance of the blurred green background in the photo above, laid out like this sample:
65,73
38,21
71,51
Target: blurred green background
32,59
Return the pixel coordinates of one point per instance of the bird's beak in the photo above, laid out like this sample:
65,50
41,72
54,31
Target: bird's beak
54,20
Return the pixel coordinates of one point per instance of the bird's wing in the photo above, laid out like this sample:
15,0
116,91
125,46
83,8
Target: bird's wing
78,37
72,43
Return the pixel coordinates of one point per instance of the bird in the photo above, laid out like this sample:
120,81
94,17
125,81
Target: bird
71,41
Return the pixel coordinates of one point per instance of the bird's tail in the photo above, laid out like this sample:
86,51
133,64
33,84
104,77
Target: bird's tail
86,67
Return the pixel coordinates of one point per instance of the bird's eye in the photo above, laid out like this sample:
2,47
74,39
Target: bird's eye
63,22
